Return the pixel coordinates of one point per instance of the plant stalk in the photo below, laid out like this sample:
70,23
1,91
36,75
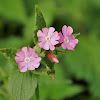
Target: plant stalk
37,96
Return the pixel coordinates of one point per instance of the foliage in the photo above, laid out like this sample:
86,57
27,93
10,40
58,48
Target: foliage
79,72
22,85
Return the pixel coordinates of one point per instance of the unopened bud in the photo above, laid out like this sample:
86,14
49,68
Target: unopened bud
52,57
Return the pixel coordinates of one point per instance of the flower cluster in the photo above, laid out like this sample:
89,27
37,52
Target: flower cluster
48,38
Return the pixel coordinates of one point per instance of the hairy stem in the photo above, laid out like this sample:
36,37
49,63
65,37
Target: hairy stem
37,97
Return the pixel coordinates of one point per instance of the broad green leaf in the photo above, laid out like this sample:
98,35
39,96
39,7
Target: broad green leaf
39,24
75,35
10,54
22,86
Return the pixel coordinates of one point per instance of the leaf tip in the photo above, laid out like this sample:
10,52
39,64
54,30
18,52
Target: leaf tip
36,7
79,33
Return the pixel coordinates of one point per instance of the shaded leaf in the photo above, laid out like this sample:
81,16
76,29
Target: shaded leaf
50,67
48,12
39,24
10,54
22,86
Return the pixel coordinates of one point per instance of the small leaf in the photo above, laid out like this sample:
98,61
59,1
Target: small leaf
40,23
39,51
22,86
75,35
10,54
59,52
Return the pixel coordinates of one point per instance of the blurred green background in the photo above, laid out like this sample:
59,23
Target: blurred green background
78,73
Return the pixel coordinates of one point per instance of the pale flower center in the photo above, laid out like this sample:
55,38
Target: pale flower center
47,38
66,39
27,60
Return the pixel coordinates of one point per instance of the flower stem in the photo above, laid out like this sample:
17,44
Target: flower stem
37,97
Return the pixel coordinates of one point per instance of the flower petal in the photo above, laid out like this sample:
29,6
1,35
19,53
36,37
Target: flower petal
46,46
39,33
41,44
35,60
37,65
23,69
30,67
64,29
71,37
18,59
31,52
51,30
45,31
21,54
21,64
55,36
69,47
52,47
24,49
61,38
53,42
63,45
40,38
75,41
69,31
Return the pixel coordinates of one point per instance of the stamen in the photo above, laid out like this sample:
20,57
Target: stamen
27,60
47,38
66,39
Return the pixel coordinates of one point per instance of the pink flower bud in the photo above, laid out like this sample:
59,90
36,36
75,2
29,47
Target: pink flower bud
52,57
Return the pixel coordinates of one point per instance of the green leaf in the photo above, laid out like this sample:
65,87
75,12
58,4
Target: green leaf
10,54
48,12
75,35
22,86
50,67
39,24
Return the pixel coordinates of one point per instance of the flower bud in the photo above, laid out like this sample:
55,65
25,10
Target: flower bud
52,57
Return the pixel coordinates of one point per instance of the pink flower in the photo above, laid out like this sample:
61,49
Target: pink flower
67,39
48,38
27,59
52,57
